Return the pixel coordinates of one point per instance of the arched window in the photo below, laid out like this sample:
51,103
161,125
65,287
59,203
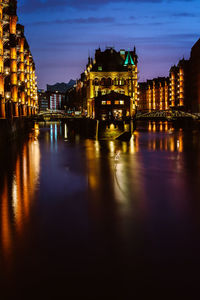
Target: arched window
116,81
96,81
108,81
121,81
103,81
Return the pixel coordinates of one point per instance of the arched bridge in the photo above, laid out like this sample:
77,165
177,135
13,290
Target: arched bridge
51,115
167,115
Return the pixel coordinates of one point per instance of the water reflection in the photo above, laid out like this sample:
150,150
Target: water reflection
100,209
18,191
163,137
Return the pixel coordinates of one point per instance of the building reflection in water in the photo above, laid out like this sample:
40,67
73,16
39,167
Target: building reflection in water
169,140
116,162
22,179
54,136
120,168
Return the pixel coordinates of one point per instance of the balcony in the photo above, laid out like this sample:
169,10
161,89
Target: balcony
6,19
7,95
7,71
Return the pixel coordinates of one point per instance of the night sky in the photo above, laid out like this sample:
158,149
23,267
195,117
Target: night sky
61,33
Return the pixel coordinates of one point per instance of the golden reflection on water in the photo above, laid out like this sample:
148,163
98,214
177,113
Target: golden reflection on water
169,141
113,169
15,206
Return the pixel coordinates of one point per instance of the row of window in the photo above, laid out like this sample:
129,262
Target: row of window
117,102
104,92
109,81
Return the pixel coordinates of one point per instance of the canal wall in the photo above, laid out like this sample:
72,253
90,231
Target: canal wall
10,129
87,128
95,129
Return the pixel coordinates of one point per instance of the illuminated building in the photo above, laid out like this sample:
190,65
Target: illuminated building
42,101
55,100
195,77
179,85
181,91
154,94
111,71
112,106
18,86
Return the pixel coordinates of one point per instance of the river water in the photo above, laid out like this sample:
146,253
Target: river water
86,219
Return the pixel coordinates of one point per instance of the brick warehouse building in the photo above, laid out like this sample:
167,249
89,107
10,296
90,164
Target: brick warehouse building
181,90
18,87
195,77
154,94
111,71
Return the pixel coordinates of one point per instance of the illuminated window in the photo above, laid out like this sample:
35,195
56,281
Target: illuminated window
108,102
121,102
117,102
99,68
116,82
103,102
121,81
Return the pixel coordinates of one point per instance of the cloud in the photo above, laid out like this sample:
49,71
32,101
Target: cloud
184,14
29,6
91,20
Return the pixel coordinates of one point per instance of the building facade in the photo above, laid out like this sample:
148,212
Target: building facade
154,95
112,106
181,91
18,86
195,77
56,101
42,101
111,71
180,85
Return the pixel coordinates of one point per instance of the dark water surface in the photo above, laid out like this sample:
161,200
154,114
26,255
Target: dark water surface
86,219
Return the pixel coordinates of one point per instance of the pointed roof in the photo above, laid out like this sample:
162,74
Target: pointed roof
129,60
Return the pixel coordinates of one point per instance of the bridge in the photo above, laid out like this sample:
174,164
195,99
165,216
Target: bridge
51,115
168,115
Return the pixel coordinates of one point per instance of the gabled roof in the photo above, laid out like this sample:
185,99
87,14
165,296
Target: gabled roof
129,60
112,61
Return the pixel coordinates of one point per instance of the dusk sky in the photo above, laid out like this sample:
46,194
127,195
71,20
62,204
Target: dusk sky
61,33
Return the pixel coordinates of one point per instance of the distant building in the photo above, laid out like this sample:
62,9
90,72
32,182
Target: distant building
56,101
61,87
111,71
42,100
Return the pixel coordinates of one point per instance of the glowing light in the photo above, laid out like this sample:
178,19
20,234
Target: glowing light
112,147
112,127
66,132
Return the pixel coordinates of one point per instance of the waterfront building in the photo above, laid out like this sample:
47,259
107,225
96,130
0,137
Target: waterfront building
18,86
195,77
111,71
112,106
154,94
180,85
